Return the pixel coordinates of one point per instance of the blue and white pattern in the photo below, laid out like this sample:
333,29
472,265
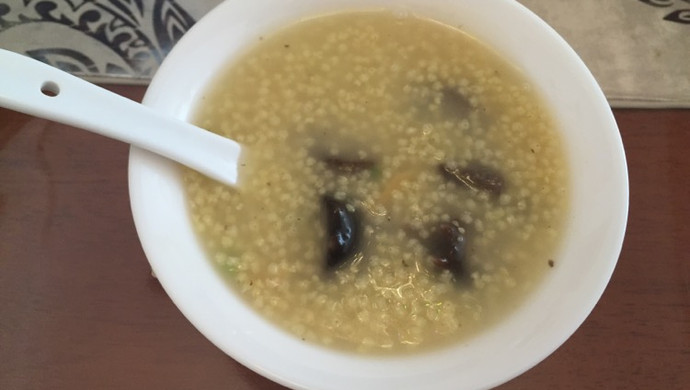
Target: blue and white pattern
120,39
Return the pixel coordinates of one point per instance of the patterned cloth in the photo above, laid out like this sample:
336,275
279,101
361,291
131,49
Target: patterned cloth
637,49
101,40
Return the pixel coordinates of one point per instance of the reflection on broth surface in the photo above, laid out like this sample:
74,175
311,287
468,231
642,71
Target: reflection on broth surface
408,187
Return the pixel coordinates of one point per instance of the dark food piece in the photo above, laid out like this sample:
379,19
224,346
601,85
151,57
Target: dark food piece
448,245
348,166
454,104
476,177
342,230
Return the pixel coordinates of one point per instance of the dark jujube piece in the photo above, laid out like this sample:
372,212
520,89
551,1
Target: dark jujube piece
342,232
448,246
475,176
347,166
454,104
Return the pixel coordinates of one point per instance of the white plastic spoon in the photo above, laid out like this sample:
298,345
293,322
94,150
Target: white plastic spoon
37,89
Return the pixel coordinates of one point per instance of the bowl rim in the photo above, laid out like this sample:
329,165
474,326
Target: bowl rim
155,189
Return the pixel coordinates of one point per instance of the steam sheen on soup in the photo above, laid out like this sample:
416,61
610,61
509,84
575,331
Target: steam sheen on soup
406,187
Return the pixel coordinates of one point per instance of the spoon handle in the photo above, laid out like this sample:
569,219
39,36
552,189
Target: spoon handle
37,89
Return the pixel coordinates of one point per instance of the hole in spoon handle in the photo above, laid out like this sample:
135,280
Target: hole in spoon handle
50,89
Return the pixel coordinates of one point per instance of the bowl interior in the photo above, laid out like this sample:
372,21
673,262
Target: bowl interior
596,224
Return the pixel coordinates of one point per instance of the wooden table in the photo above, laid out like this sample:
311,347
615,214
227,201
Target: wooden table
79,309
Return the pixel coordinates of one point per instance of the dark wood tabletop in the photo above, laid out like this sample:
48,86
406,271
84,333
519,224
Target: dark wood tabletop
80,310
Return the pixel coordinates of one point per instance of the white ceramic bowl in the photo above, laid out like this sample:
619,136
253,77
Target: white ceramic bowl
592,242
